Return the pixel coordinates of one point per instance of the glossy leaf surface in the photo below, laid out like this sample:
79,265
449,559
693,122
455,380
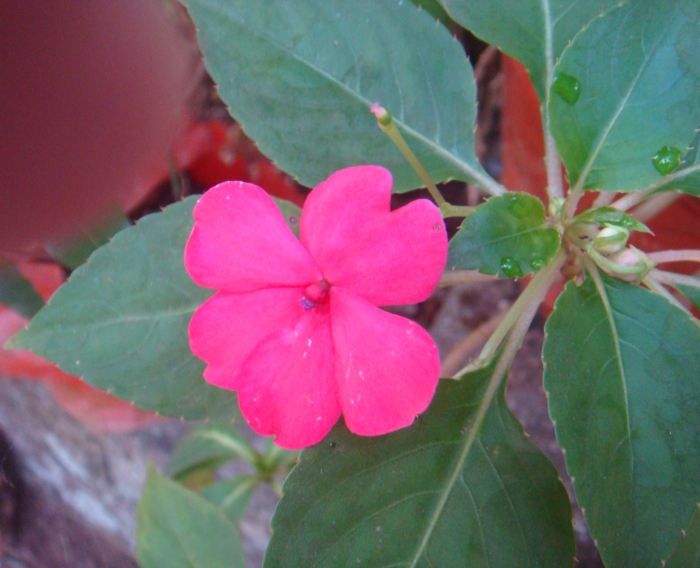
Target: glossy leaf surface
120,322
535,32
640,83
17,293
207,446
176,528
507,236
300,78
622,374
424,496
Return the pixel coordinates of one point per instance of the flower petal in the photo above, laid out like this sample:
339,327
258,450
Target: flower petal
225,329
388,258
387,367
240,242
287,385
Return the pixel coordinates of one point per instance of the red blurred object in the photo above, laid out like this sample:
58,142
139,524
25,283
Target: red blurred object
675,227
94,408
91,93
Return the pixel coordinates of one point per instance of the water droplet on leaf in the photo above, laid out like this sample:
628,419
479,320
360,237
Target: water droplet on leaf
519,205
627,222
537,262
667,159
567,87
510,267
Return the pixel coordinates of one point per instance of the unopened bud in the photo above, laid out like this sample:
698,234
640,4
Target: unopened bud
611,239
631,265
383,116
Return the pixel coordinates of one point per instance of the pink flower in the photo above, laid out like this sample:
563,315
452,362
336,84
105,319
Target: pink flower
295,327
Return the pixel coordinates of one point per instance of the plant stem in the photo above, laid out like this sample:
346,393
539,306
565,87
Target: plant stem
672,278
470,343
604,199
662,256
629,200
572,201
652,207
555,181
537,287
656,287
388,126
453,277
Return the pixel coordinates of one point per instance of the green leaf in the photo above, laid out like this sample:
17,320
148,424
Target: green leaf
74,250
535,32
176,528
691,292
507,236
686,554
435,9
16,292
300,78
232,495
687,177
610,216
639,82
120,322
292,214
432,494
211,445
622,374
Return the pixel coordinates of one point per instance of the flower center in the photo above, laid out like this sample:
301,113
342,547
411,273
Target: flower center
315,294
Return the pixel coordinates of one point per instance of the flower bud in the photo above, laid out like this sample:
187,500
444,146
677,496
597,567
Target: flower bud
611,239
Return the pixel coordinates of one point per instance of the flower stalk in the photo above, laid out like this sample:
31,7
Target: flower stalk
388,126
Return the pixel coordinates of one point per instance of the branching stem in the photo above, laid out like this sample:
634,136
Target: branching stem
672,278
689,255
656,287
537,287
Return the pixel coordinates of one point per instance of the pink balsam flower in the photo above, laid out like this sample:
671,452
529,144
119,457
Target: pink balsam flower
295,327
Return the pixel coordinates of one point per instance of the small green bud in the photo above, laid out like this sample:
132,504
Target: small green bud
611,239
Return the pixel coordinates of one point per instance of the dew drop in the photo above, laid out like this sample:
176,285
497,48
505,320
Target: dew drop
537,262
667,159
627,222
519,205
567,87
331,445
510,267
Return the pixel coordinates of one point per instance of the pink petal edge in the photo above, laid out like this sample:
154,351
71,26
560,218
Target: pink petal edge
226,328
388,258
241,243
387,367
